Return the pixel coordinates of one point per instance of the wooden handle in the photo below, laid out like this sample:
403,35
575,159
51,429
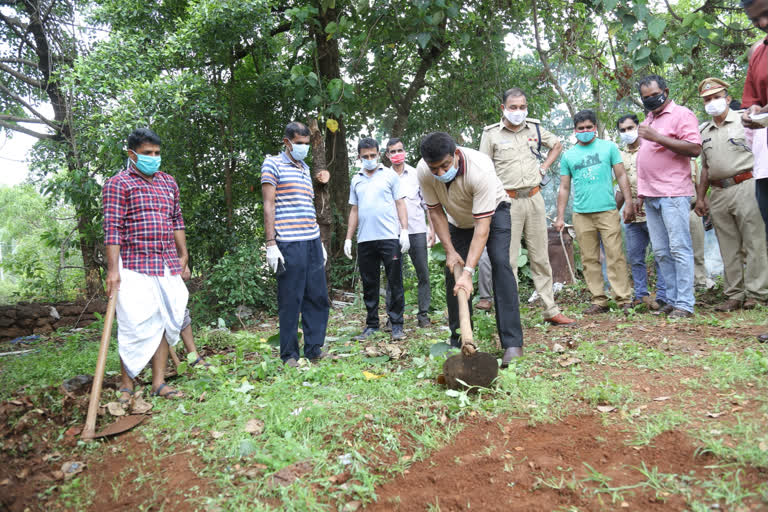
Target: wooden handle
465,321
98,377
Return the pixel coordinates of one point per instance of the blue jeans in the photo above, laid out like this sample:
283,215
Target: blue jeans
668,220
637,245
301,290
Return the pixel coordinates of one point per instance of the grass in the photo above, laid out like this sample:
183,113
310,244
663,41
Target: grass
374,416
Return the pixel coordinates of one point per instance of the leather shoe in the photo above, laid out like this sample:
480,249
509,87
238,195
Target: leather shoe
751,303
561,320
762,338
367,333
323,355
483,305
397,332
652,304
665,310
680,313
387,326
729,305
424,321
510,354
291,362
595,309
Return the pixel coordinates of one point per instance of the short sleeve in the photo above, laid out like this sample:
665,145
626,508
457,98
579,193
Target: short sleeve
427,183
397,192
548,139
688,128
485,144
353,192
483,193
565,166
270,173
615,155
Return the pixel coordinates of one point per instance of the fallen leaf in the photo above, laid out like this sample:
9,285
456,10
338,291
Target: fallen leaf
661,398
716,414
352,506
73,431
216,434
115,409
52,456
624,504
370,376
23,474
606,408
254,426
202,397
57,475
763,446
6,481
369,417
558,348
371,352
569,361
140,406
340,478
519,448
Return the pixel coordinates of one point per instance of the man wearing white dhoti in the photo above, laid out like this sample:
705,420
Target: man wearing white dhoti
146,252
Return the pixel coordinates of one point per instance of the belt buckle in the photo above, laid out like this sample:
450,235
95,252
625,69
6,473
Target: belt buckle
728,182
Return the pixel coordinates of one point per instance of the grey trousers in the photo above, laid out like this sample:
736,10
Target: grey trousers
484,280
418,255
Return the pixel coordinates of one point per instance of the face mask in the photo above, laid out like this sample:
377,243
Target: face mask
628,137
146,164
585,136
370,165
397,158
449,175
654,102
716,107
516,117
300,151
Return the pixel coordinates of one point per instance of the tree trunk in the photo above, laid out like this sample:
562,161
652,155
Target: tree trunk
322,191
329,67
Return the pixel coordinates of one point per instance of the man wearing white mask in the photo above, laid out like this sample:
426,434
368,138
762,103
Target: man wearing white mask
727,164
294,249
514,144
638,238
377,206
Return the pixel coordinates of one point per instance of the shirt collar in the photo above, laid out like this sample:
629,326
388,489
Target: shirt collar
462,164
362,172
286,159
503,126
667,110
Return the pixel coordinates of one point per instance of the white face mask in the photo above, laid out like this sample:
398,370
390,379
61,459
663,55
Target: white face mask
516,117
628,137
716,107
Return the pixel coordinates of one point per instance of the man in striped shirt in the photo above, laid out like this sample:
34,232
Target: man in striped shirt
294,250
470,209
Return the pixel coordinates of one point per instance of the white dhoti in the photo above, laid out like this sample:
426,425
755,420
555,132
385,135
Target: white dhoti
147,308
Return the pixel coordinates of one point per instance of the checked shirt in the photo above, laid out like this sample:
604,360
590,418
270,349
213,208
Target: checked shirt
141,217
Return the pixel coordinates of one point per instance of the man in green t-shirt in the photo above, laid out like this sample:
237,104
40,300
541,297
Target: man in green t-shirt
595,217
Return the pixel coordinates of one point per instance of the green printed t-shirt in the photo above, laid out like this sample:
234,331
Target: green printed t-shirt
591,170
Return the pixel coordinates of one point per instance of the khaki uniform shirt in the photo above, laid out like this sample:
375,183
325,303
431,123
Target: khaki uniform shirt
629,157
473,194
724,149
513,152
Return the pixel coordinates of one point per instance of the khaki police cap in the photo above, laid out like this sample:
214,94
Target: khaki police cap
710,86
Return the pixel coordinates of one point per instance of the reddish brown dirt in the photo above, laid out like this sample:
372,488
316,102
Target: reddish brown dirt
501,466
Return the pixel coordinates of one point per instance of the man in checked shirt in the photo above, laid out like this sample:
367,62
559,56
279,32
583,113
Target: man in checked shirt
146,252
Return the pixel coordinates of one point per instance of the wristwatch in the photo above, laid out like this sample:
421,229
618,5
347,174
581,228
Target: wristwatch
470,270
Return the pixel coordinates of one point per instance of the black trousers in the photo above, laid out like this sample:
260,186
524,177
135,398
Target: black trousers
420,260
369,256
504,284
761,194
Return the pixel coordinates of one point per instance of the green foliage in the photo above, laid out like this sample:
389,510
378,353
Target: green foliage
240,277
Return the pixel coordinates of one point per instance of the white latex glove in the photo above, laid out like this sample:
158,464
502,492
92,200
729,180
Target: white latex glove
405,241
325,254
274,256
348,248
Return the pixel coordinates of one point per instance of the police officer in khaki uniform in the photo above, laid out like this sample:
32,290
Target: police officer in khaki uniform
514,144
727,167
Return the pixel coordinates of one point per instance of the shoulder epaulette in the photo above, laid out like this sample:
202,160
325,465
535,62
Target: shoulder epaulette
704,125
532,120
494,125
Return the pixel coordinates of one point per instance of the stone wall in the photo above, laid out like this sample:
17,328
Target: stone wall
24,318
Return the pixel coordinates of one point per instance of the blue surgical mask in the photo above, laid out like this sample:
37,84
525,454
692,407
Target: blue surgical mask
370,165
300,151
449,175
585,136
147,164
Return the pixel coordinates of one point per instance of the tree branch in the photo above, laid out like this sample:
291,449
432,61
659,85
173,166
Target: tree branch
14,60
29,107
545,61
27,131
669,8
21,76
17,119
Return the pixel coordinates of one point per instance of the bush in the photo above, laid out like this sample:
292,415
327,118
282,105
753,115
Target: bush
241,277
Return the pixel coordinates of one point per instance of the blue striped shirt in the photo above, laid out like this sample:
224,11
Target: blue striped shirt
294,206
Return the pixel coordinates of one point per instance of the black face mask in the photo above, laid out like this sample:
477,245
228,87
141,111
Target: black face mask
653,102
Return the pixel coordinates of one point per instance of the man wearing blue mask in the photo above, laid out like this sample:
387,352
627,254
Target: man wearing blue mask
146,251
294,250
595,216
470,210
377,205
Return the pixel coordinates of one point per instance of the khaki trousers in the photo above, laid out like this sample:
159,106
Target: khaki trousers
699,243
741,235
590,229
529,218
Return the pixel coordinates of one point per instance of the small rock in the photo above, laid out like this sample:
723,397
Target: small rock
352,506
78,384
558,348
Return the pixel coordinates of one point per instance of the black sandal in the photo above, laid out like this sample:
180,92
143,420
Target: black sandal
122,400
199,359
167,395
